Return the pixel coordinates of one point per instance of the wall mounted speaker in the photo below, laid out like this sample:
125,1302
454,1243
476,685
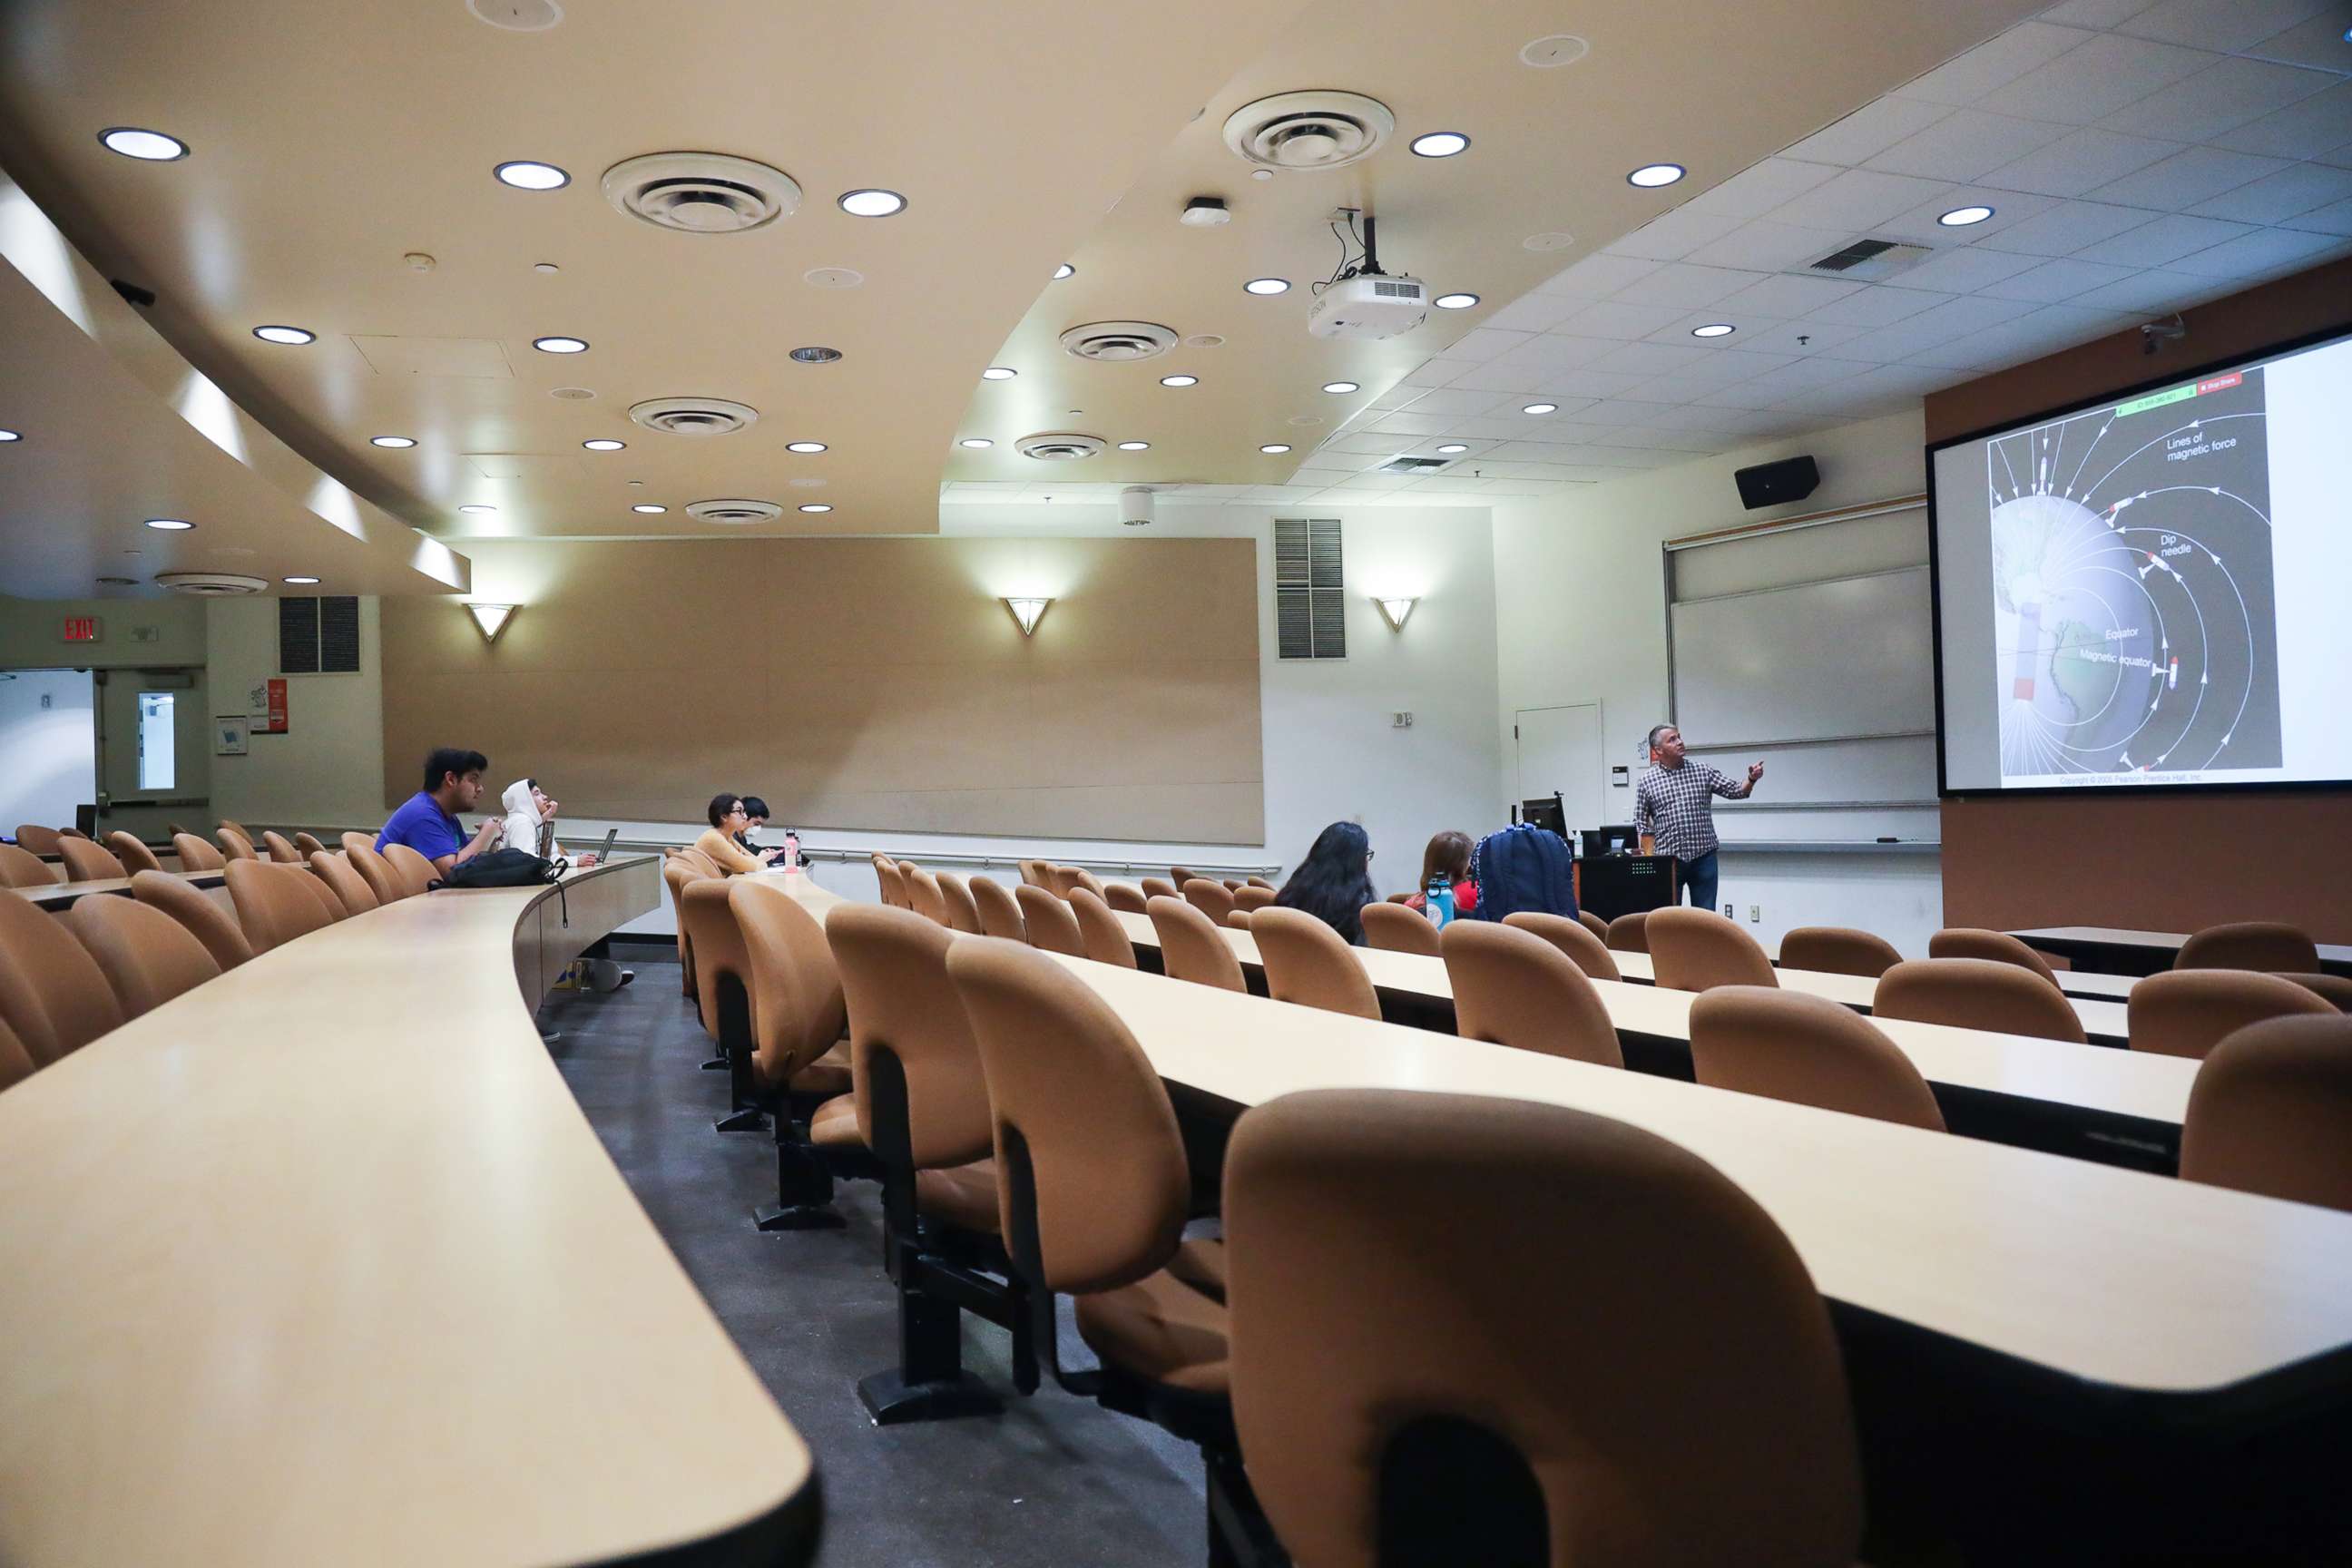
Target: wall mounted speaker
1771,484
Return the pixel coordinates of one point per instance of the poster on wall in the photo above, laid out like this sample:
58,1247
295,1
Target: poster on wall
228,735
265,707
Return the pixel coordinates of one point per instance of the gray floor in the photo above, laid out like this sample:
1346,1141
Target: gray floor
1054,1480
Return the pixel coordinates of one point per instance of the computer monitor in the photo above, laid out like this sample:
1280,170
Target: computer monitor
1618,840
1545,812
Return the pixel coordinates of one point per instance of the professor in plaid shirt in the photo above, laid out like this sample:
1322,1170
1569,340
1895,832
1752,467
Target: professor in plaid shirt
1674,809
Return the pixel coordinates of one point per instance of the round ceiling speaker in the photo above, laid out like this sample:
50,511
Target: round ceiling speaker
1306,131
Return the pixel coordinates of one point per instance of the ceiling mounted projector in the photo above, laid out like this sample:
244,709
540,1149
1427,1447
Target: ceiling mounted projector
1369,307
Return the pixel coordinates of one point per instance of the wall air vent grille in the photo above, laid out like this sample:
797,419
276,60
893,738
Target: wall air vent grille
1310,609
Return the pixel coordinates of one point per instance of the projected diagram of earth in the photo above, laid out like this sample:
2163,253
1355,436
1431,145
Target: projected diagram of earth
2133,591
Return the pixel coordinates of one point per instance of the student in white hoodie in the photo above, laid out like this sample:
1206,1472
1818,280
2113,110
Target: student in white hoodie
530,822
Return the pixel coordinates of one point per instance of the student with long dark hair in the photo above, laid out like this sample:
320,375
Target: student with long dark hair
1335,881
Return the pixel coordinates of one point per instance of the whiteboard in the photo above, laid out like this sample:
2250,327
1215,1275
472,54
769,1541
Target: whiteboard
1820,661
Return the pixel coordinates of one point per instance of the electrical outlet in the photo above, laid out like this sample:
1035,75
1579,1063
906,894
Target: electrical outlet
1727,914
1755,913
1400,720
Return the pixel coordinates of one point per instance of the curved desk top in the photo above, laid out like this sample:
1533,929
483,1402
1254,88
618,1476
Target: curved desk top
320,1262
57,895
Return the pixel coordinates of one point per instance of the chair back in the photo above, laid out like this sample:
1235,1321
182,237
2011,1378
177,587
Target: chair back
1181,874
1787,1045
15,1061
1589,921
280,847
923,896
23,868
1033,874
196,855
388,886
2270,1113
37,840
1395,1259
348,885
1838,950
1992,946
1697,950
1000,912
1190,948
329,901
1580,945
1258,882
2337,989
308,844
88,862
1159,888
1213,900
197,912
239,829
1511,987
1629,933
272,905
2187,1011
1105,940
1124,897
2270,946
1238,918
963,912
1253,896
1059,879
1977,993
1048,922
233,845
354,841
53,996
1083,1127
415,871
702,865
677,875
891,878
146,955
1307,962
716,940
794,991
894,975
133,852
1082,878
1393,927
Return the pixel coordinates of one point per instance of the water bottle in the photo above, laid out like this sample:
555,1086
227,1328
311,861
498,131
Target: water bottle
1438,898
792,850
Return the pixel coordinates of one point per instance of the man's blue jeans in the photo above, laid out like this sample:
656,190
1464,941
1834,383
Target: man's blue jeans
1699,876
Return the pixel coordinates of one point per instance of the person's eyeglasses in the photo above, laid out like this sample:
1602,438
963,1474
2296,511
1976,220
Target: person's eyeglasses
1368,855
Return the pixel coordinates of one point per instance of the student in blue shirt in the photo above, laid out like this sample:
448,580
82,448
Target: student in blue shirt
427,821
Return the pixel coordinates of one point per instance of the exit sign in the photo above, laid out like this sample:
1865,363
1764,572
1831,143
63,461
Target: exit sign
82,628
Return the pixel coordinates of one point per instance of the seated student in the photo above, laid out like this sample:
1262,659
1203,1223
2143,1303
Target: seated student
427,821
531,822
1335,881
1523,868
721,844
755,817
1448,855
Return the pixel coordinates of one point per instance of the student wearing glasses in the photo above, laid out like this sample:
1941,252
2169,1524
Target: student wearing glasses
728,820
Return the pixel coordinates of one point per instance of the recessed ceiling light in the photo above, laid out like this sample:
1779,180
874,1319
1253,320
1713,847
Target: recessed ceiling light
872,202
1179,381
1452,446
816,505
1540,408
1713,330
170,524
560,345
1650,176
1064,270
1440,144
998,373
524,175
392,441
1274,448
805,447
648,509
147,146
1266,286
1960,217
7,435
293,337
605,444
1135,445
1341,387
477,510
302,581
1454,301
976,443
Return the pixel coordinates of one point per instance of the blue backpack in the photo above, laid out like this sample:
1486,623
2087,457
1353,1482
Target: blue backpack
1524,867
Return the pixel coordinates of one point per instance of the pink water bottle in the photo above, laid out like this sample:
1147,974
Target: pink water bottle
792,850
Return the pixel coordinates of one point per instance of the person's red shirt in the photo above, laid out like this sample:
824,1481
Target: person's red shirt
1466,898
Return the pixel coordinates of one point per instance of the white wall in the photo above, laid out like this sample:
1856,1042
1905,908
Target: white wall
1580,616
328,768
49,755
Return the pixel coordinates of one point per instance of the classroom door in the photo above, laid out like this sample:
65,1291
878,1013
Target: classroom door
1559,754
155,752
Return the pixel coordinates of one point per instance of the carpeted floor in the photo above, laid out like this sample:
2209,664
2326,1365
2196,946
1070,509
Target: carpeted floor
1054,1480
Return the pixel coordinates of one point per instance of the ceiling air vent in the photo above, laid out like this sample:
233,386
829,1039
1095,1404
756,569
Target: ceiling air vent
210,584
734,511
693,415
1305,131
1060,447
1414,465
1867,260
1117,342
701,193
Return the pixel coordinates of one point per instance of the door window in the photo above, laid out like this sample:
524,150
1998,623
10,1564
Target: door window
158,747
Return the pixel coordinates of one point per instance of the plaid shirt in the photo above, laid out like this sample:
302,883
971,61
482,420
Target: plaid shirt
1672,805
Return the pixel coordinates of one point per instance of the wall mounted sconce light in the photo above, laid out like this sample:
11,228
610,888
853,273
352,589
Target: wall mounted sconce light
491,619
1027,613
1396,610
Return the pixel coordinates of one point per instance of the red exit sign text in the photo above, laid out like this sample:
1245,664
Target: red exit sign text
82,628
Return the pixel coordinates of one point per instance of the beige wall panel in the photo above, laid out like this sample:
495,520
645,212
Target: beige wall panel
1181,722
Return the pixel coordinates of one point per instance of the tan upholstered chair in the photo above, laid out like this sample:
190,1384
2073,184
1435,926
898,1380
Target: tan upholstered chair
1047,920
2334,988
1033,874
1181,874
1124,897
1258,882
239,829
36,840
1838,950
88,862
1211,899
891,876
1977,993
2268,945
309,845
1589,921
794,1014
999,914
15,1061
1238,918
1470,1331
1080,877
1992,946
2187,1011
1160,888
196,855
923,896
1629,933
963,910
146,955
23,868
1253,896
2270,1113
1305,962
1582,946
273,906
415,871
676,877
1190,948
65,832
388,886
1790,1046
53,996
330,900
349,885
1697,950
233,845
1393,928
194,909
1513,988
702,865
134,855
1105,940
281,848
722,973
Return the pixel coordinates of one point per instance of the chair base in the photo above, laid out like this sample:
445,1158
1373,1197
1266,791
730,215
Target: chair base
716,1064
891,1399
750,1119
798,1216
